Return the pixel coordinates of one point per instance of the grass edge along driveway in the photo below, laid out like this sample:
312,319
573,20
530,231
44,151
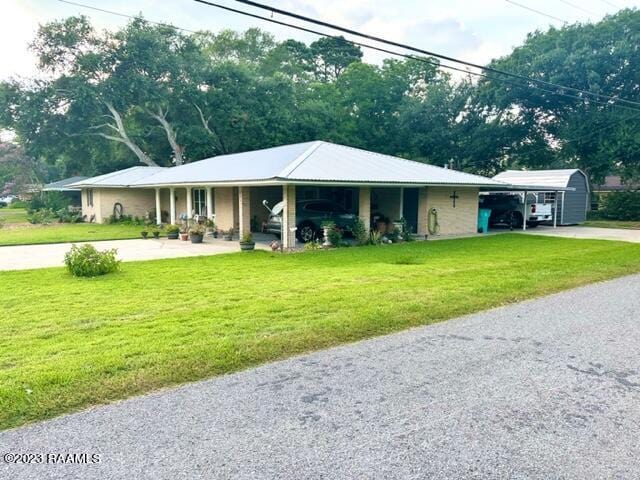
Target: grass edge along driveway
67,232
68,343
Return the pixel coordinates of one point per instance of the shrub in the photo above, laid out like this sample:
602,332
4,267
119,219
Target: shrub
246,238
335,236
172,228
3,204
86,261
197,229
360,232
375,238
18,204
621,206
43,216
54,201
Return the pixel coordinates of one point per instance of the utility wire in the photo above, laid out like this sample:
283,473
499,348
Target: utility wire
413,57
359,44
124,15
577,7
421,51
610,3
539,12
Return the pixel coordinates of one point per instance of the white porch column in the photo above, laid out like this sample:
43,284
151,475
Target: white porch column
244,210
401,214
289,216
189,204
158,208
172,205
209,203
364,206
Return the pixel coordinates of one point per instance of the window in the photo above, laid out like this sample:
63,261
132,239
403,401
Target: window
90,197
199,201
549,197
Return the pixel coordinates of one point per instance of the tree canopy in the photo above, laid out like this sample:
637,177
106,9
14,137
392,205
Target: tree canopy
151,94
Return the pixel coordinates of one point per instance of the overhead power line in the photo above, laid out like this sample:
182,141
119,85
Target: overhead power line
363,45
124,15
423,51
577,7
539,12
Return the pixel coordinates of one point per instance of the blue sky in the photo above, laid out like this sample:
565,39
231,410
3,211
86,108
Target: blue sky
473,30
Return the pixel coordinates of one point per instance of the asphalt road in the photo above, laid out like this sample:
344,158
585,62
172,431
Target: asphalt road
544,389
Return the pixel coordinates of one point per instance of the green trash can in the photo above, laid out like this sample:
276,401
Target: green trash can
483,220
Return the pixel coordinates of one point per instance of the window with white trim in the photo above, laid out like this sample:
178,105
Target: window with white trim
89,197
549,197
199,197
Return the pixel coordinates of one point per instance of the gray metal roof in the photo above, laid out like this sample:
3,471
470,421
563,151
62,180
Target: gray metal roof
63,185
313,162
543,178
119,178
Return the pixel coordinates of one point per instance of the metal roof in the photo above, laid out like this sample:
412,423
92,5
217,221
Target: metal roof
63,185
119,178
542,178
312,162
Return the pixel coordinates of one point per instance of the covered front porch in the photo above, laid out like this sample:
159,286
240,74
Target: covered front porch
240,207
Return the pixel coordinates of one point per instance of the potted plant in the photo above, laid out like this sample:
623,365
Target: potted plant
227,234
156,233
196,233
184,233
172,232
144,233
247,243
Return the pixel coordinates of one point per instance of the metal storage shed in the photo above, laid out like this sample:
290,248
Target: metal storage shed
573,203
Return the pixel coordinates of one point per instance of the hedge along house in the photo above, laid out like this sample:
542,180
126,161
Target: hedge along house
232,189
573,195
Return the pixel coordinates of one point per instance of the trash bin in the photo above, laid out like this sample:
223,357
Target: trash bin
483,219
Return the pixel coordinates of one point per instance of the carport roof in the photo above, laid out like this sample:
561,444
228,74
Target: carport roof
311,162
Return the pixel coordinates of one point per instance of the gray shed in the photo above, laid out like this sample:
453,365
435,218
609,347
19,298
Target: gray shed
572,204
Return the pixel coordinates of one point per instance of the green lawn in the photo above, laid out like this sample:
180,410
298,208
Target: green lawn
612,224
13,215
67,343
65,232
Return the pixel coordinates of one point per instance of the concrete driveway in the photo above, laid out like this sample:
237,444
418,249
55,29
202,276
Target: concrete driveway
621,234
52,255
546,389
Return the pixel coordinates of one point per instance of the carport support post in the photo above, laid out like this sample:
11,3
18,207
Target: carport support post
525,212
244,211
364,206
189,204
158,211
172,205
289,216
555,209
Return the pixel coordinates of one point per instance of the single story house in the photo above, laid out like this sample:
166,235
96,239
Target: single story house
573,196
232,188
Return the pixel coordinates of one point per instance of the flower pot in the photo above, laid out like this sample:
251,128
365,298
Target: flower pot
172,235
228,238
144,234
196,238
184,237
156,235
215,234
246,246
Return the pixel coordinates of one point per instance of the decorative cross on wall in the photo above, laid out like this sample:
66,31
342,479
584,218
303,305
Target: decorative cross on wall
454,197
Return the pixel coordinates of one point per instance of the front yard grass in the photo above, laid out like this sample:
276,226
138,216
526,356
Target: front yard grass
612,224
13,215
67,343
26,234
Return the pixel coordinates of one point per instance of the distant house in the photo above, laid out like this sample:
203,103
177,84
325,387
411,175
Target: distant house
614,183
573,203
